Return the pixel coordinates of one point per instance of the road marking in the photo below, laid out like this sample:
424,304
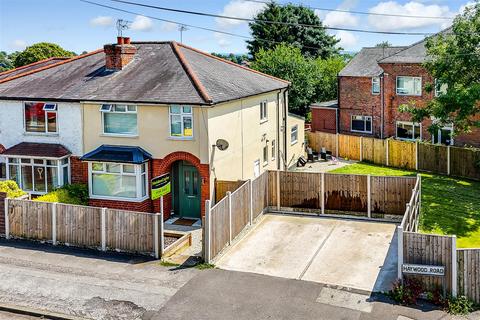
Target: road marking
345,299
316,252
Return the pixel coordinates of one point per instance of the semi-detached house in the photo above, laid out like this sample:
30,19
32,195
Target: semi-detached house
117,117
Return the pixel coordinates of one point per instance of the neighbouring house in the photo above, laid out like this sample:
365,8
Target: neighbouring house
325,116
117,117
375,83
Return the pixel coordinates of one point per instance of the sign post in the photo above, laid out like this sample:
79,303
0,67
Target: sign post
161,186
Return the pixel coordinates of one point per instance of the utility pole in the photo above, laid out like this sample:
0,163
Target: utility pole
182,28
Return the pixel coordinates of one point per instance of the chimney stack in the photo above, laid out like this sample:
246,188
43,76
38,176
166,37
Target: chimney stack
118,55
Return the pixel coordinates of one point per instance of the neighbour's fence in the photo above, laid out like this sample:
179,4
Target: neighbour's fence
469,273
3,195
326,193
448,160
83,226
223,186
228,218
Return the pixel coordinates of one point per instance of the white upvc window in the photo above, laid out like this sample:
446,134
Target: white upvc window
119,119
181,122
294,134
274,149
409,86
265,154
263,111
375,85
40,117
440,88
118,181
3,168
408,130
38,175
361,124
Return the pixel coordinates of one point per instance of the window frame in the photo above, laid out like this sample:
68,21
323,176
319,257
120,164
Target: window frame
263,111
409,94
292,142
139,175
182,116
364,123
273,149
3,163
413,124
379,86
62,180
112,110
45,132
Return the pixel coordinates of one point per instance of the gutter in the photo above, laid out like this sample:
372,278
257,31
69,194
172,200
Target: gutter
285,115
382,98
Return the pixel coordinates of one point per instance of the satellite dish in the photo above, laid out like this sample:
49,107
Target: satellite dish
222,144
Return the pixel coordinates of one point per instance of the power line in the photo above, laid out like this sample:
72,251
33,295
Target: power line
364,13
205,14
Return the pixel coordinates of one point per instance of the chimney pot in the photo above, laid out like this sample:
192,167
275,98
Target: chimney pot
119,40
126,40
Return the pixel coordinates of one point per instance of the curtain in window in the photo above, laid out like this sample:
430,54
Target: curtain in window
34,117
120,123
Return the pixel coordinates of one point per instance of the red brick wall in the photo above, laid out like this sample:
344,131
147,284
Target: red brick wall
144,206
324,119
78,170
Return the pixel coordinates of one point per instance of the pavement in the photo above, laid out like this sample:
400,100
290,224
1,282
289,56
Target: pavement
85,283
349,253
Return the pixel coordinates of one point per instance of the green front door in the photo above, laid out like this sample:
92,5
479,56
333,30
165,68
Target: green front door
188,191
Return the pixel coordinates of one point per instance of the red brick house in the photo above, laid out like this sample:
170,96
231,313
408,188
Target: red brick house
375,83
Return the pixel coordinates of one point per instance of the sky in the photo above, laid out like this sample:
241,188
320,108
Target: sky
79,26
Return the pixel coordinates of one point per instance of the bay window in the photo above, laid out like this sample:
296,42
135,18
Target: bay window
181,122
361,124
40,117
409,86
119,119
110,180
408,130
38,176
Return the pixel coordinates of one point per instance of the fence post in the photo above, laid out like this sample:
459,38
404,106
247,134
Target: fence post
54,223
400,252
251,202
278,190
156,236
322,186
162,227
387,153
361,148
229,196
448,160
7,221
416,155
104,229
454,266
419,177
336,145
207,232
369,196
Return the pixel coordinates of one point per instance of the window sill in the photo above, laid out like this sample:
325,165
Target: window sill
408,95
131,136
265,164
293,142
263,120
91,196
181,138
365,132
41,134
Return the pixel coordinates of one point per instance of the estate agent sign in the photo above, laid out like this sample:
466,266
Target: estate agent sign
423,269
161,186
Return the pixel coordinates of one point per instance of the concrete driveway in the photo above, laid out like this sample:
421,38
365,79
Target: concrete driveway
348,253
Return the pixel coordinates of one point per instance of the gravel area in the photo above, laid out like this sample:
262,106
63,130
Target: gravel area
169,240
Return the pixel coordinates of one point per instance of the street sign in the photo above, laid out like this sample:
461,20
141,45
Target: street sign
161,186
423,269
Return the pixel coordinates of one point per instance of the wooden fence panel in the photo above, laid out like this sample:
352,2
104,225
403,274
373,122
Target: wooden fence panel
429,249
272,188
240,202
130,231
219,227
374,150
79,225
260,194
465,162
3,195
30,219
432,157
318,140
390,195
349,147
401,154
300,190
345,192
223,186
468,269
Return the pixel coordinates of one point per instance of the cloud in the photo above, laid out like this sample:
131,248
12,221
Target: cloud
347,39
222,40
102,21
414,8
239,9
19,44
142,23
340,19
168,26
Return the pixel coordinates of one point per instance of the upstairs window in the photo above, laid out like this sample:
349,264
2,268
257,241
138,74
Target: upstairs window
119,119
263,111
181,122
375,85
361,124
40,117
440,88
294,134
409,86
408,130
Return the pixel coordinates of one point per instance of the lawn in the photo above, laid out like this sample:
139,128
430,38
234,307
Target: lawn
449,205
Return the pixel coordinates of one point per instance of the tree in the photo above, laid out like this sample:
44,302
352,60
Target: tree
5,62
383,44
327,77
454,61
40,51
237,58
312,41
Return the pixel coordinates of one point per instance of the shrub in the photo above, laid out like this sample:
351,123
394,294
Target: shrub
69,194
11,188
408,292
460,305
